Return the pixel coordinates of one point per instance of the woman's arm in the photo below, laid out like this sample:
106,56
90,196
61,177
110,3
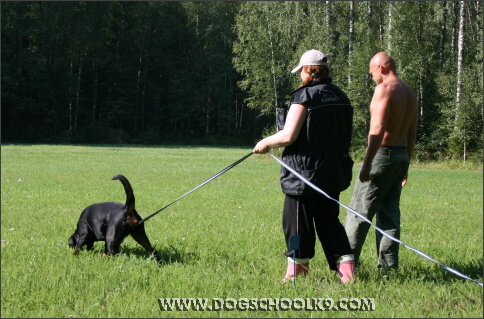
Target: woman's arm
294,122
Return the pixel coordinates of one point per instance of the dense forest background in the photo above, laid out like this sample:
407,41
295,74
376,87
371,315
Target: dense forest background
212,72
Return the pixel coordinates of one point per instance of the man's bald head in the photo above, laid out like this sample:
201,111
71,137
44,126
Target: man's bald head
383,59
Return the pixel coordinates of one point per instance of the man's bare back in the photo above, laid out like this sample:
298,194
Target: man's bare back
402,111
393,112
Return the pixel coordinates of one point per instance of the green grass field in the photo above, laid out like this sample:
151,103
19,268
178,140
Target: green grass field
222,241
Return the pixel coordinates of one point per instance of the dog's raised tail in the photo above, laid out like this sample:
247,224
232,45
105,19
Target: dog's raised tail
129,192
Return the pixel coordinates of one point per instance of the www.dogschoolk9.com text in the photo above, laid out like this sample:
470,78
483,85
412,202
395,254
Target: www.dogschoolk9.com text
266,304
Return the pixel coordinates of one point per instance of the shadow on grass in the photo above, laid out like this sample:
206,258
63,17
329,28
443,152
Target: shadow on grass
432,273
473,269
167,255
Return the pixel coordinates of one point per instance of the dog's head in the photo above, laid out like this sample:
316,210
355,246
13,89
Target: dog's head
73,241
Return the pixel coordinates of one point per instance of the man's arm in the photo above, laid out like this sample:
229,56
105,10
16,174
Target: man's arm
379,111
412,137
411,140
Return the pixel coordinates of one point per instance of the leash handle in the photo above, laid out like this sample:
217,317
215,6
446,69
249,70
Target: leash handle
197,187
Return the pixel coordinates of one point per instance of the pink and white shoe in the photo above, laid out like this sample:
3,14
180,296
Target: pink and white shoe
295,268
346,268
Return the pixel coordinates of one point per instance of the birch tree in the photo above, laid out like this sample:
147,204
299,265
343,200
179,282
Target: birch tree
459,128
265,49
350,39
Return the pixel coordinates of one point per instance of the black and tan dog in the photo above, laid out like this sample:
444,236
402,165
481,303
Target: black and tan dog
111,222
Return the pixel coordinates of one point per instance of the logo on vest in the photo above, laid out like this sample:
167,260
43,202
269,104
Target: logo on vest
328,96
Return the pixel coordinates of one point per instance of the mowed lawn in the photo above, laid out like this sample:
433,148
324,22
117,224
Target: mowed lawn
222,242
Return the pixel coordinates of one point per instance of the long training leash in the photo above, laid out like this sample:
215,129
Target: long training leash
369,222
194,189
329,197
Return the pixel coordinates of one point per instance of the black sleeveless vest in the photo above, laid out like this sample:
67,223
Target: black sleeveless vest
321,151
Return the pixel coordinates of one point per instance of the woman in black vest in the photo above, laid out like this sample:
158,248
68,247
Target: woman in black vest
316,133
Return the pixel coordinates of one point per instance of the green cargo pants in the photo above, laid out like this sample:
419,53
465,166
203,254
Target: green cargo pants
380,197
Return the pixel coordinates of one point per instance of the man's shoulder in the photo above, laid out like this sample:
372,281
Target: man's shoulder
382,89
390,86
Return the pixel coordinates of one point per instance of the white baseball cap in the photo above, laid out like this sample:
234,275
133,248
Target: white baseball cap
311,57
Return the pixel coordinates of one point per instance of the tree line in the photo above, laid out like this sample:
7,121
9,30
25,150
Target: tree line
213,72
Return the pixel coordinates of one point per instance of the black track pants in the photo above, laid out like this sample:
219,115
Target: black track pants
311,215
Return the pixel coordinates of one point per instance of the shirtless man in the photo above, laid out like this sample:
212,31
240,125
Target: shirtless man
391,141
